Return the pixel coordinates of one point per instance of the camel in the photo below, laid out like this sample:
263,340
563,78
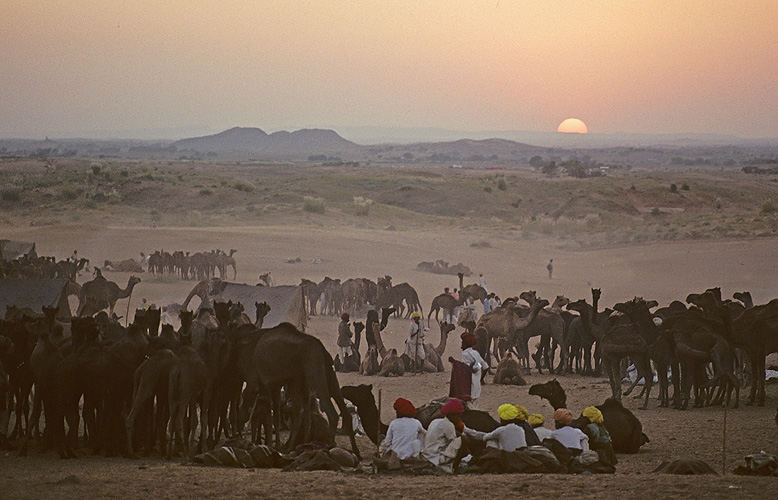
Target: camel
92,305
312,294
552,392
223,261
447,303
392,365
389,295
285,355
370,364
549,325
189,384
102,289
756,330
203,289
262,309
123,266
434,355
504,322
508,372
745,298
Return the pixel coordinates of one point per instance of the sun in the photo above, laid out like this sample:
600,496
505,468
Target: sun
572,126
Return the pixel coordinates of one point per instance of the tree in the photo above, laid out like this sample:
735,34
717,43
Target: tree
536,161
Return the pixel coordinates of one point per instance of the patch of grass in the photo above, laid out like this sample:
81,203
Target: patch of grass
313,204
69,194
768,207
12,195
488,189
502,185
206,192
481,244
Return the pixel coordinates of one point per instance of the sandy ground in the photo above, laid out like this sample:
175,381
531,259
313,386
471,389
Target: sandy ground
663,272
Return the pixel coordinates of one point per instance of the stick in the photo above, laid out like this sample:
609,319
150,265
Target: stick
127,316
378,425
724,443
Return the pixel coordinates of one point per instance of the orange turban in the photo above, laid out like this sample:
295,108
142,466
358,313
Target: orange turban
563,416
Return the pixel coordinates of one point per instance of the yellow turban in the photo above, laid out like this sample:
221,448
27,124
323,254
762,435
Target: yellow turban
535,420
523,413
507,412
593,414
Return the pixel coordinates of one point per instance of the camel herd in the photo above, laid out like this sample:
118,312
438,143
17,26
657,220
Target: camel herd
143,388
197,266
356,295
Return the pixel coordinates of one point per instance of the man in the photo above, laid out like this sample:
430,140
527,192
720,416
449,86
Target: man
414,344
570,437
599,437
405,435
482,281
508,437
473,359
344,338
443,438
550,268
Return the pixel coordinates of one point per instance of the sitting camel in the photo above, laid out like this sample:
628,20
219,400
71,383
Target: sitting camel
370,364
508,372
392,365
123,266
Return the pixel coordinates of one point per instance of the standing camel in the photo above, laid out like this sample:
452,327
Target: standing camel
102,289
504,322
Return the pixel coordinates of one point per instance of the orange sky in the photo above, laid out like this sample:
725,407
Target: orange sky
645,66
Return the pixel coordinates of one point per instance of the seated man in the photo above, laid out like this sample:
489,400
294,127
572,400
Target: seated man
405,435
507,437
570,437
599,437
443,438
536,421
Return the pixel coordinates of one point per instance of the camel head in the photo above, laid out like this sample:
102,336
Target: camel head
359,395
446,328
705,301
552,392
560,301
530,296
262,309
358,327
222,312
596,292
134,280
385,313
744,297
579,306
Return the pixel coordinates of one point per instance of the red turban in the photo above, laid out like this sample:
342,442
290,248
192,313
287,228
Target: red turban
563,416
452,407
404,407
470,340
344,316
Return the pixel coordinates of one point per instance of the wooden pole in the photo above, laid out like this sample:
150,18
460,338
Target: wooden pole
724,443
378,425
127,316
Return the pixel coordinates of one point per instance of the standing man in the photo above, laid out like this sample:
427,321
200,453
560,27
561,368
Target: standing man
482,281
550,267
414,344
344,338
473,359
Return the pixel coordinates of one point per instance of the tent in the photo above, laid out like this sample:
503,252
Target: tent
287,303
10,250
35,294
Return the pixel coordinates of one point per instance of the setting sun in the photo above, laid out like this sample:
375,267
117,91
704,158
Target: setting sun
572,126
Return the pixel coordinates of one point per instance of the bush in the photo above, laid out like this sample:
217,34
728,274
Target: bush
768,207
362,205
96,167
502,185
488,189
684,187
244,186
206,192
11,195
68,194
313,204
673,188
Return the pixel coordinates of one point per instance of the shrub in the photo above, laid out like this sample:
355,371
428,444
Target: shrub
206,192
11,195
684,187
68,194
481,244
768,207
362,205
244,186
673,188
488,189
502,185
96,167
313,204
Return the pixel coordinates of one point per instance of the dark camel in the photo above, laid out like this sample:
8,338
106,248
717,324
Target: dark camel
447,303
552,392
284,355
102,289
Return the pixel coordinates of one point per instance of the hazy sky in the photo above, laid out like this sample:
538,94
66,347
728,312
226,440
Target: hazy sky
642,66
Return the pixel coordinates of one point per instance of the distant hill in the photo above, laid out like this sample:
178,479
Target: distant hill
253,139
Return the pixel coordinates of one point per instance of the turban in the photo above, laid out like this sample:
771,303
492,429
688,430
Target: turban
415,315
344,316
470,340
523,414
404,407
507,412
563,416
536,420
452,407
593,414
